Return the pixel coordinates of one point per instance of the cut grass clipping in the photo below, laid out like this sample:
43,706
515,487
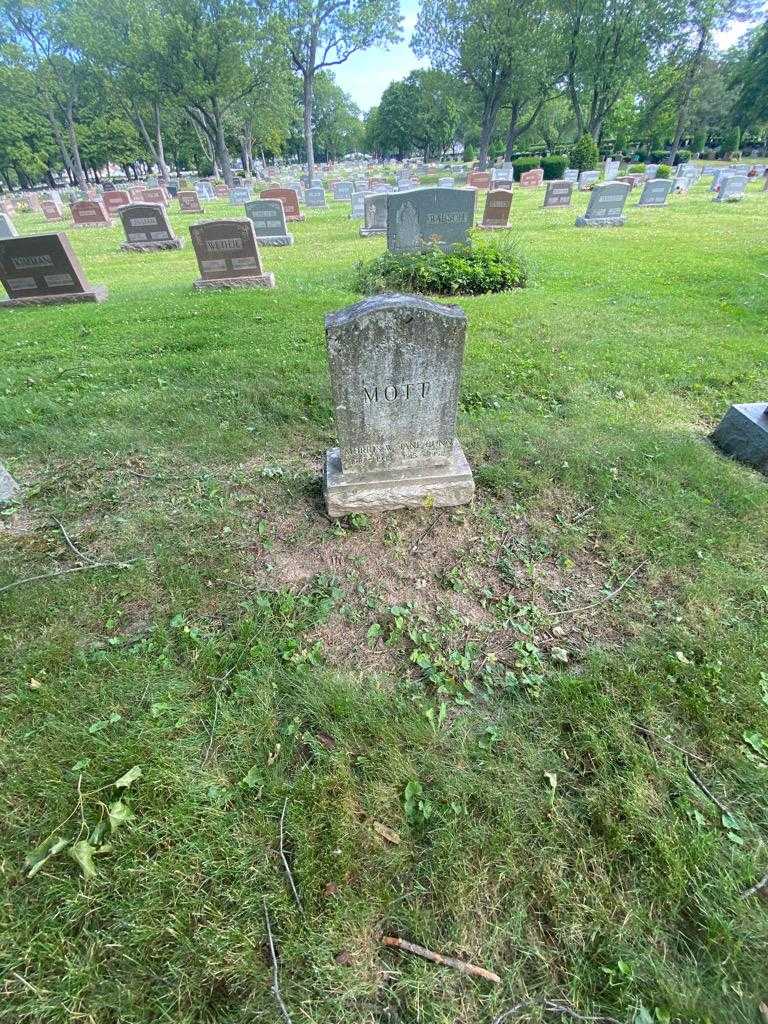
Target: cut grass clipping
468,270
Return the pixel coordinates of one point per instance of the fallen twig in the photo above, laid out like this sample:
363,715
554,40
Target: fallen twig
275,978
607,598
438,958
70,543
284,859
550,1006
428,530
708,792
668,741
65,572
753,889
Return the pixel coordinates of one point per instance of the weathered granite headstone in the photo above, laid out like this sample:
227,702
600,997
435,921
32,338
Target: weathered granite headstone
743,434
221,191
8,486
136,194
147,229
357,205
315,197
228,255
558,193
7,227
88,213
205,190
611,169
532,178
655,192
395,364
375,212
606,205
587,179
651,170
731,188
189,201
155,195
288,198
496,212
239,195
342,190
114,200
52,210
43,269
479,179
571,174
429,216
268,218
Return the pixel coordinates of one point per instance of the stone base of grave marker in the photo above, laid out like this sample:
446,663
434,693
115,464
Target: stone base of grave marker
97,293
600,222
385,490
493,227
8,486
370,232
168,243
743,434
274,239
257,281
102,224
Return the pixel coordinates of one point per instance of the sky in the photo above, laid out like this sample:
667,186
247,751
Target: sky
366,75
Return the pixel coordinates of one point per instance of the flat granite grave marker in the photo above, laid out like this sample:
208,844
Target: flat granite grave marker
743,434
315,197
228,255
375,213
395,364
268,219
147,229
7,227
41,270
88,213
559,193
290,200
496,213
8,486
655,192
189,201
587,179
429,216
606,206
114,200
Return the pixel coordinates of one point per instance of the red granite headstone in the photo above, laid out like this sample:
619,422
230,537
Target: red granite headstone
228,255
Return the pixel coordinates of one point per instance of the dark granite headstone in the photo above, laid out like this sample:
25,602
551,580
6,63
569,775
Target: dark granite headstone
429,216
558,193
228,255
147,229
743,434
268,218
43,269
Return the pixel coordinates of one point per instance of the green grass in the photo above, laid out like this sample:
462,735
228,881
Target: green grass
253,654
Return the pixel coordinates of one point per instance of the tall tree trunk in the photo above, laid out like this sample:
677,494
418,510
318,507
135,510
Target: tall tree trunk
490,113
77,164
309,98
162,166
58,136
512,132
222,152
686,90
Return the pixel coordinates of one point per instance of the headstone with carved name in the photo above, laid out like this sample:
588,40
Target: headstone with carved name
42,270
228,255
89,213
7,227
315,197
532,178
395,364
290,200
656,191
428,217
189,201
113,200
375,215
52,210
606,205
496,212
268,218
147,229
558,194
731,188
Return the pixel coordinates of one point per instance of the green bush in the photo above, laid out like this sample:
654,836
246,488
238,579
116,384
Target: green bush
699,141
731,139
470,153
659,156
205,167
682,156
636,169
664,171
468,270
525,163
584,155
554,167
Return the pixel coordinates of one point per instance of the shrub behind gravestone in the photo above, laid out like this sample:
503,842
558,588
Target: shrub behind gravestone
637,169
659,156
584,155
525,163
663,171
683,156
554,167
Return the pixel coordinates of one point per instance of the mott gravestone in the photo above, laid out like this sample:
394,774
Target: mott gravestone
606,206
228,255
147,229
429,216
395,364
268,219
43,270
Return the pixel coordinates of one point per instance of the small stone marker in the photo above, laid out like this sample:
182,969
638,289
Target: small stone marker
8,486
239,195
587,179
7,227
571,174
532,178
651,170
147,229
479,179
189,201
155,195
611,169
315,197
221,191
268,219
606,206
375,211
429,216
508,184
228,255
743,434
43,269
88,213
395,364
656,191
113,200
558,193
52,210
205,190
496,212
357,206
731,188
290,200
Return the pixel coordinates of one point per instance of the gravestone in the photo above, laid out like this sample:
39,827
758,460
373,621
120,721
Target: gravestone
228,255
731,188
395,364
558,193
342,190
496,212
290,200
479,179
655,192
114,200
633,180
506,183
268,219
571,174
52,210
445,183
606,206
88,213
136,194
8,486
651,170
611,169
429,216
532,178
155,195
743,434
7,227
147,229
108,186
239,195
172,188
221,191
315,197
357,207
205,190
587,179
189,201
43,269
375,213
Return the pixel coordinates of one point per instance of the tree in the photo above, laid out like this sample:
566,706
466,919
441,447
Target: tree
751,79
395,118
324,33
338,126
584,155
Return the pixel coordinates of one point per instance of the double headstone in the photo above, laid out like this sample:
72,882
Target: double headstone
43,269
147,229
228,255
606,205
558,193
497,206
89,213
290,200
655,192
428,217
268,219
155,195
395,364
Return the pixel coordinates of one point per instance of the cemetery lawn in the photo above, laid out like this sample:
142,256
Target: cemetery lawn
470,738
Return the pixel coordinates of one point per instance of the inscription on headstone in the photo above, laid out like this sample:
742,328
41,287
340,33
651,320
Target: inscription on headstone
532,178
497,206
655,192
88,213
189,201
268,219
606,205
155,195
558,193
315,197
228,255
42,269
429,216
395,364
147,229
731,188
479,179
